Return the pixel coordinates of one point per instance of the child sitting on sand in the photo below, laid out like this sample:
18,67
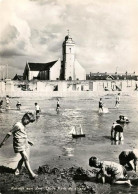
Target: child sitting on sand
114,171
20,142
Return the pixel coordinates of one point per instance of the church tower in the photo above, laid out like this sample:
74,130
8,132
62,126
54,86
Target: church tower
68,51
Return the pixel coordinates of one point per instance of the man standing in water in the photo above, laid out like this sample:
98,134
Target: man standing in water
20,143
117,132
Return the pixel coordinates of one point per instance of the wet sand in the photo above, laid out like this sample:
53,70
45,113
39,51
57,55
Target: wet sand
55,147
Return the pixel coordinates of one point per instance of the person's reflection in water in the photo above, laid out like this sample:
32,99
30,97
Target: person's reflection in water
37,118
113,142
68,151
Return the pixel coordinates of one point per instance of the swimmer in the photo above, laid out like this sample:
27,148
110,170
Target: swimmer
123,119
114,171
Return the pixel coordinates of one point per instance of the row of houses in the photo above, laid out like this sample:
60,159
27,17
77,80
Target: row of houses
91,76
111,76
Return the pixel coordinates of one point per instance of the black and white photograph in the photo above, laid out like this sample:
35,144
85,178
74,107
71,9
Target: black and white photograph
68,96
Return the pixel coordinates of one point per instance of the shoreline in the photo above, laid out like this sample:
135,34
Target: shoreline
56,179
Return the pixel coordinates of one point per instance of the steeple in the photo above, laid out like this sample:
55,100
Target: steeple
68,50
68,39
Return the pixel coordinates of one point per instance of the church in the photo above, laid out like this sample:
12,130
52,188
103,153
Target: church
67,69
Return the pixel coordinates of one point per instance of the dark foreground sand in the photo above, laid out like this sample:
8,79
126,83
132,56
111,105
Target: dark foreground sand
60,176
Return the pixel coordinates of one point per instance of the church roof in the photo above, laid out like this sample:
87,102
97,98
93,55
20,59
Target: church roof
41,66
18,77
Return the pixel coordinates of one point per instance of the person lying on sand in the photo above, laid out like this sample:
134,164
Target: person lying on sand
112,170
20,142
128,156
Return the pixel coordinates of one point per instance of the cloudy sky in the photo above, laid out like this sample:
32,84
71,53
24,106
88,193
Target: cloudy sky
105,33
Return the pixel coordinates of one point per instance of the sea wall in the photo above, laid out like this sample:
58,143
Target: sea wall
66,88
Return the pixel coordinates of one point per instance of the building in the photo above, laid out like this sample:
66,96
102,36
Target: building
68,69
42,71
111,76
71,68
18,77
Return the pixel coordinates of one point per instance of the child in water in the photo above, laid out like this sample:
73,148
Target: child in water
58,106
123,119
114,171
37,109
20,142
100,106
7,102
18,105
117,101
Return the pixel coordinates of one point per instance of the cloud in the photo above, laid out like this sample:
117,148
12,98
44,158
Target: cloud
104,32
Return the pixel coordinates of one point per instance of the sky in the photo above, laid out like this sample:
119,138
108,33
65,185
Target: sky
105,33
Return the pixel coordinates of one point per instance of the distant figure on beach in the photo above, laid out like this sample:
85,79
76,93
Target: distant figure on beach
37,109
20,142
136,88
115,172
129,158
117,132
7,102
58,106
117,102
1,104
122,119
100,106
106,89
18,105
